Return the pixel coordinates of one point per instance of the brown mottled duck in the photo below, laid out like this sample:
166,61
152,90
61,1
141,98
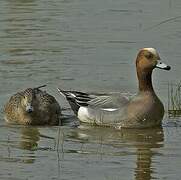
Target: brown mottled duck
32,107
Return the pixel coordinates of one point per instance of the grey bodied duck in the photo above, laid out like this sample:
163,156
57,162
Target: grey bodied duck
32,107
141,111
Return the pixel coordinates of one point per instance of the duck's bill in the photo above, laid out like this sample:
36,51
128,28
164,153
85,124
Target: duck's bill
29,108
161,65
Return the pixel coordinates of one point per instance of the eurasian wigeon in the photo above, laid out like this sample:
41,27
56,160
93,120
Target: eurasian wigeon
32,107
116,110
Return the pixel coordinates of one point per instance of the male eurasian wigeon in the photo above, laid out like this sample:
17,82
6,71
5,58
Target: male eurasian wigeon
116,110
32,107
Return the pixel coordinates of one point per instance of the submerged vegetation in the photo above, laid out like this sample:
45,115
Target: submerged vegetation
174,99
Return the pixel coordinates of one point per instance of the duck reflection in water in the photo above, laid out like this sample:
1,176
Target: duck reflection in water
29,138
144,140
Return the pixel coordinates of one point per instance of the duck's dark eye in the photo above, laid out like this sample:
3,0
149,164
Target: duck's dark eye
149,55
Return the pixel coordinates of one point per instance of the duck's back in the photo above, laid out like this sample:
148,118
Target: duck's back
48,107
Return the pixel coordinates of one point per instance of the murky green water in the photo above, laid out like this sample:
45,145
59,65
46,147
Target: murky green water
87,45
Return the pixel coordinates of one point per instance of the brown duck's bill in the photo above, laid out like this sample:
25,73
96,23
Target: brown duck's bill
29,108
161,65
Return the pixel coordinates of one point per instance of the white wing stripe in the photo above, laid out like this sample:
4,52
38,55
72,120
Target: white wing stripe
110,109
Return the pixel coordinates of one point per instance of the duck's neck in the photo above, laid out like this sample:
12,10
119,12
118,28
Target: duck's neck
145,81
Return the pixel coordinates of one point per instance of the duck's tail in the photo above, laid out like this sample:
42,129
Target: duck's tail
40,86
76,99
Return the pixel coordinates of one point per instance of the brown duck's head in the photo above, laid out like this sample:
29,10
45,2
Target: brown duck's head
148,59
28,100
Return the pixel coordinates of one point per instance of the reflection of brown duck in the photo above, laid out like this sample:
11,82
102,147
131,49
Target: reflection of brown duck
30,138
142,140
32,107
148,141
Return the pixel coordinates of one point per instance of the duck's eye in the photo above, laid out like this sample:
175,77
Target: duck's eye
149,55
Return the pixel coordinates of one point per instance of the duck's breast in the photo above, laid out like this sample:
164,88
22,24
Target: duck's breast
145,111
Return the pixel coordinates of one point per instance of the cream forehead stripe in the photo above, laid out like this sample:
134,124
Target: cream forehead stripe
152,50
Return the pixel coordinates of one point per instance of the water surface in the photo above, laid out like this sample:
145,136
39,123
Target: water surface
87,45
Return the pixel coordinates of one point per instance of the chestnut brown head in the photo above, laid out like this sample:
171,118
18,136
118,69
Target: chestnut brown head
148,59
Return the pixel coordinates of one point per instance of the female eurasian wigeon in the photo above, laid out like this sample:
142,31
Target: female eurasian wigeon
141,111
32,107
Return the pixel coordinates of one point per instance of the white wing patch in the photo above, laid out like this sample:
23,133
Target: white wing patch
110,109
